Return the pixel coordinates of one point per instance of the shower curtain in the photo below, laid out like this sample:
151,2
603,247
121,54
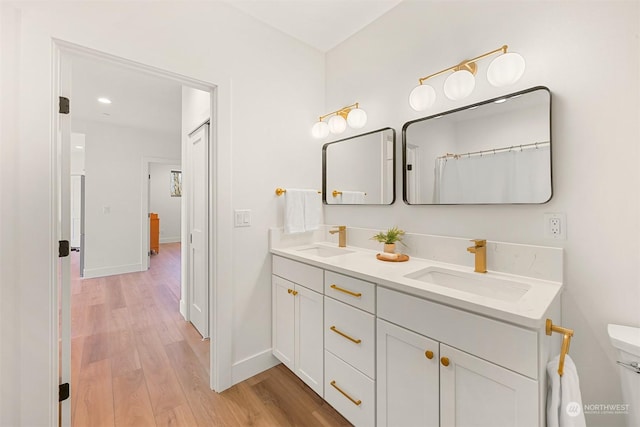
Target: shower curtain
504,177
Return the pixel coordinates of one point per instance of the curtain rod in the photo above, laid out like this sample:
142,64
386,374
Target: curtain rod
495,150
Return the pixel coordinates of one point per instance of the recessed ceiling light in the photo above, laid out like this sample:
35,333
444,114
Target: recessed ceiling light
500,101
79,147
104,100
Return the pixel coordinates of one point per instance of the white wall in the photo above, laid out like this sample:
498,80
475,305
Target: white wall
168,208
113,192
269,92
595,144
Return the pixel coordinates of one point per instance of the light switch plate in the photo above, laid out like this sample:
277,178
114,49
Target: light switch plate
242,218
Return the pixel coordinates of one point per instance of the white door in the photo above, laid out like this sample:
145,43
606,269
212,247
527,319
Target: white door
309,340
198,161
76,211
283,306
407,378
474,392
63,227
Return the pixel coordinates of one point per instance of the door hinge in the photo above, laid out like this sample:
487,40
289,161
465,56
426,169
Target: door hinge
63,392
409,167
63,248
63,105
191,238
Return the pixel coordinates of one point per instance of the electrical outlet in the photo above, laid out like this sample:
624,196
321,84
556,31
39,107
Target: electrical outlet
555,225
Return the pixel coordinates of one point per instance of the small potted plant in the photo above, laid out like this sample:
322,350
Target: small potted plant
390,238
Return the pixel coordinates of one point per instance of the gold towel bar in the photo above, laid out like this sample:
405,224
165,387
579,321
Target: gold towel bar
337,193
281,191
566,341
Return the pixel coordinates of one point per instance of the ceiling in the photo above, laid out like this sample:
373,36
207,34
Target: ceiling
146,101
322,24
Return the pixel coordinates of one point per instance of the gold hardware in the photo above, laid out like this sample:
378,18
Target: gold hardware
344,112
566,341
334,329
355,402
480,251
280,191
336,193
289,291
429,354
355,294
444,361
468,64
294,293
342,236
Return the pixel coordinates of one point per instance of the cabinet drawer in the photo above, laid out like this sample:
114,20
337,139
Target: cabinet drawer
484,337
355,292
349,333
349,391
297,272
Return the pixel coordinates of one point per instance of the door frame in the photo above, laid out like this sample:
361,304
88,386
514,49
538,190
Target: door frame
144,206
220,218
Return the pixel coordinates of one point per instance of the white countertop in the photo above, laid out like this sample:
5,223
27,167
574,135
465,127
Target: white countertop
529,311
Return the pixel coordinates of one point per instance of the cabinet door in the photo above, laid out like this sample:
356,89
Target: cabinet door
282,306
309,338
475,392
407,378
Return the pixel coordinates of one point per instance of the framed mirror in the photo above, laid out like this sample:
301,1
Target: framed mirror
494,152
360,170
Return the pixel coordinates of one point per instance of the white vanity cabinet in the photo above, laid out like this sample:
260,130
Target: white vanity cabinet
350,346
437,367
297,321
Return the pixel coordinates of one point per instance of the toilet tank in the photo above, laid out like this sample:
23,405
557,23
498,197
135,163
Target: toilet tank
626,339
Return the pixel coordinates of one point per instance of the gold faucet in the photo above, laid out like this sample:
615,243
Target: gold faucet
342,235
480,250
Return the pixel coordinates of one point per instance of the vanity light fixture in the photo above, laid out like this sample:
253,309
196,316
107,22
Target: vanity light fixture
504,70
352,115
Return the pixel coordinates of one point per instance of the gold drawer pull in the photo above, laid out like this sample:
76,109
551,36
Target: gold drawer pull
429,354
444,361
355,294
355,402
334,329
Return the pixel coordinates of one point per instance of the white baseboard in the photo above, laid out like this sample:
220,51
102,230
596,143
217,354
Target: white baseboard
175,239
252,365
90,273
183,309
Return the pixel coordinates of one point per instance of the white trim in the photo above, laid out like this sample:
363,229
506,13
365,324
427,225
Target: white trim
144,206
174,239
221,220
253,365
92,273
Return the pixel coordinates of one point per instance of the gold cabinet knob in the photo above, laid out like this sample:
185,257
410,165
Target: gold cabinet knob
429,354
289,291
444,361
294,293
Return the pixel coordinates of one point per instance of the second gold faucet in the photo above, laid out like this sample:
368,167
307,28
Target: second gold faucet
480,251
342,235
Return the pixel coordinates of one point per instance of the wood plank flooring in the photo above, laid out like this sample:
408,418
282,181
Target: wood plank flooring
136,362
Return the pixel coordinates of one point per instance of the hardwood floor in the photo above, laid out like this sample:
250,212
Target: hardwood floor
136,362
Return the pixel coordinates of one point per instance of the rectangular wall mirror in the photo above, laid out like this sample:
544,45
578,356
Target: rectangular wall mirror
360,170
494,152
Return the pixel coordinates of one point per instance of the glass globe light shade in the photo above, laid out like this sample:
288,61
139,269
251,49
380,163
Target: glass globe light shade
459,85
506,69
357,118
337,124
320,130
422,97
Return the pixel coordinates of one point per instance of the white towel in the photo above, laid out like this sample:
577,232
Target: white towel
564,401
352,198
302,210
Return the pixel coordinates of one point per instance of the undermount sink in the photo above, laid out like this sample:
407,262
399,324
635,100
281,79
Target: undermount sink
324,251
475,283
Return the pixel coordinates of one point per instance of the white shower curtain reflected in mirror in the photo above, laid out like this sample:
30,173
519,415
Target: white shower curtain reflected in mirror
503,177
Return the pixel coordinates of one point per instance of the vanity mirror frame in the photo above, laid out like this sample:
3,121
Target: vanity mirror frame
468,107
325,193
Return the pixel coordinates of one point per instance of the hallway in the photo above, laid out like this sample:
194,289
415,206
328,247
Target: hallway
136,362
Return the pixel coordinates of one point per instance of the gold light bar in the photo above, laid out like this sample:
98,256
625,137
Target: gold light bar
344,112
469,64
